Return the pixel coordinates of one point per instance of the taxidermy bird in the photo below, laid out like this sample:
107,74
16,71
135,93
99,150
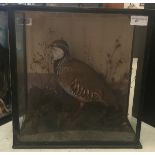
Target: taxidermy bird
78,79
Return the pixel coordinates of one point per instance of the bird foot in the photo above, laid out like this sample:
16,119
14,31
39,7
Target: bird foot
69,117
72,116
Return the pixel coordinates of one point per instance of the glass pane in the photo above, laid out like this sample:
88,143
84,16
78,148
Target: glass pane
21,68
75,73
5,106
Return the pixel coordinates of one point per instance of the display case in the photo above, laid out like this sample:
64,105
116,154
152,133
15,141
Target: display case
5,100
73,76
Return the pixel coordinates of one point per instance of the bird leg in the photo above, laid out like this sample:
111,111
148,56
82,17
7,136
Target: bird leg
76,113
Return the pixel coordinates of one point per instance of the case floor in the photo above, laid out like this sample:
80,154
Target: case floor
147,140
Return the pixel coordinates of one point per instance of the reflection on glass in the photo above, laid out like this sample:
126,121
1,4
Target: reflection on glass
5,107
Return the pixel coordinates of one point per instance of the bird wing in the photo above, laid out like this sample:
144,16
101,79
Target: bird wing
78,79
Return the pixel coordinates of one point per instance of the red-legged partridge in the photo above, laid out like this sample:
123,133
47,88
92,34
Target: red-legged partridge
78,79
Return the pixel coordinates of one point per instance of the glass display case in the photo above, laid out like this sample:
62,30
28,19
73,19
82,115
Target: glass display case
5,102
73,74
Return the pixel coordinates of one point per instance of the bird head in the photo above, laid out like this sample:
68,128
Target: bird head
60,49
